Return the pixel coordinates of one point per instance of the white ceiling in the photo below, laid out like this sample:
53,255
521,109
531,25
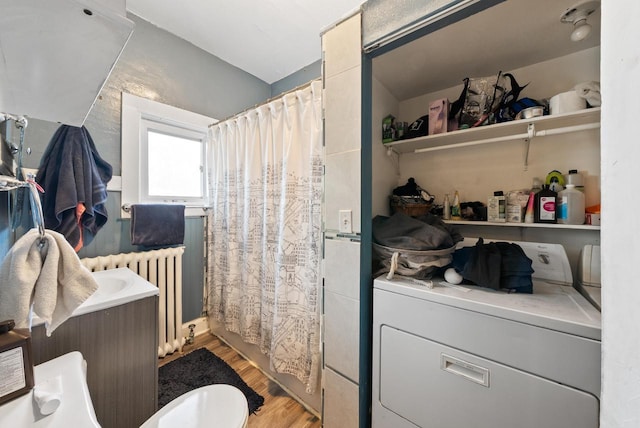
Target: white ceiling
269,39
505,37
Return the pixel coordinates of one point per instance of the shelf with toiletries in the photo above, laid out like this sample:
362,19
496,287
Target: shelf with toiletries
523,129
525,225
480,161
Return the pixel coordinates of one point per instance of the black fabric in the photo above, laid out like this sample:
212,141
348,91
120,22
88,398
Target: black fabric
200,368
156,225
409,189
418,128
427,232
72,173
496,265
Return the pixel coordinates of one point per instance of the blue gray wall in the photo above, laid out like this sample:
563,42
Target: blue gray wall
160,66
167,69
300,77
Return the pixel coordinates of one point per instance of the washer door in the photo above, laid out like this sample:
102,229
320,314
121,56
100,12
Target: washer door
432,385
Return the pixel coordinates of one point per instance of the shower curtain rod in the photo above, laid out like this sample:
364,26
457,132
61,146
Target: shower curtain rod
297,88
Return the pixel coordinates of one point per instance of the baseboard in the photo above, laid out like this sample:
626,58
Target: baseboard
201,327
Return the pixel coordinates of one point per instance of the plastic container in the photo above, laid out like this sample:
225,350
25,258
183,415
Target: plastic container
536,185
446,211
570,206
545,205
455,207
529,214
496,208
575,178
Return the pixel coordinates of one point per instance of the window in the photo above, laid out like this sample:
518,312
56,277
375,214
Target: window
164,154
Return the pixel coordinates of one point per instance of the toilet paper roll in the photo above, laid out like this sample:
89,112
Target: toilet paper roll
48,395
566,102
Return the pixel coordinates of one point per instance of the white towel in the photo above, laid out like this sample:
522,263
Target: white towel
48,395
49,277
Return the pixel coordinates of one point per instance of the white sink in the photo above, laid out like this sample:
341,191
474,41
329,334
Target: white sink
116,287
108,286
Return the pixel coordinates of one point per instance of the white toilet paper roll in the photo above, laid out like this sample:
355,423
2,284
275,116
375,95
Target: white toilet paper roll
566,102
48,395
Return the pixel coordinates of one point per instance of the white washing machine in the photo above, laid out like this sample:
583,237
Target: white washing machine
588,283
456,356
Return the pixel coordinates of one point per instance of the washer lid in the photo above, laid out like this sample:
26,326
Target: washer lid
549,261
553,306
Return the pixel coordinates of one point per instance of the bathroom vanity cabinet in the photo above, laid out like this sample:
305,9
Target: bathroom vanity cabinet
120,346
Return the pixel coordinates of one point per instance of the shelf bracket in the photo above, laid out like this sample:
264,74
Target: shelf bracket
531,132
395,158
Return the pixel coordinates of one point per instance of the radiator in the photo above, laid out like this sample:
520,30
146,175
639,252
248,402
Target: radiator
163,268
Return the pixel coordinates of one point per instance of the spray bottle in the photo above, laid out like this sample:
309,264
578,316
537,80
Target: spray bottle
455,207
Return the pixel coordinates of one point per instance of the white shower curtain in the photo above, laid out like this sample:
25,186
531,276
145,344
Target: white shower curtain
264,230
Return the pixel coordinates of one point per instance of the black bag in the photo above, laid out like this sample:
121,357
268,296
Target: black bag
496,265
418,128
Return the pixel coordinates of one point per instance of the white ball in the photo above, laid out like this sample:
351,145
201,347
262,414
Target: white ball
452,277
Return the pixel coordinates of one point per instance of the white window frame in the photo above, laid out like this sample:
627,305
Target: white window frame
137,114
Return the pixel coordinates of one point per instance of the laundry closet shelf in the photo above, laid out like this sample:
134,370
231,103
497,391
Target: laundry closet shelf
502,132
525,225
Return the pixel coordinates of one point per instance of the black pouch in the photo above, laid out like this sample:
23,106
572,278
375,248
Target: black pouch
496,265
418,128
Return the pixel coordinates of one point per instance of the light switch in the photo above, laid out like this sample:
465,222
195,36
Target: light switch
345,221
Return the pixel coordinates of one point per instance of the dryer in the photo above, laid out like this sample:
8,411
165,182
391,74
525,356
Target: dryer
455,356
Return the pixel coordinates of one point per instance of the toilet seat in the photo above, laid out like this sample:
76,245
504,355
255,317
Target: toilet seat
222,406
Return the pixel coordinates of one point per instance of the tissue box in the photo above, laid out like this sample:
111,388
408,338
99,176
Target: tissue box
438,116
16,364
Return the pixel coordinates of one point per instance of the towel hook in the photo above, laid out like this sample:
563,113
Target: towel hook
35,198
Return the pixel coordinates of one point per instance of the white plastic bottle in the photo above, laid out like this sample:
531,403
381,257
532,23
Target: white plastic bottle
446,214
574,177
570,206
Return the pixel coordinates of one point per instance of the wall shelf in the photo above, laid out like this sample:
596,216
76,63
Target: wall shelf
524,129
524,225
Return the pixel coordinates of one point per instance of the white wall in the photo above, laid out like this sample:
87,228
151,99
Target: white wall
473,170
620,406
386,166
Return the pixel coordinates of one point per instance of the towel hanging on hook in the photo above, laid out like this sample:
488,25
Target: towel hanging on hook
75,178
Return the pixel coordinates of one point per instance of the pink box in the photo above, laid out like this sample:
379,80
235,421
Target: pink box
438,116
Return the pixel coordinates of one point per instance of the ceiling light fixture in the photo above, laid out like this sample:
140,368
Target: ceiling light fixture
577,15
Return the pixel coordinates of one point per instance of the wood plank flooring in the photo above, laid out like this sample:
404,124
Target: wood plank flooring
279,409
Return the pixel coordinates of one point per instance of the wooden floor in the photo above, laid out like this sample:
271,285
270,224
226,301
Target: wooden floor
279,409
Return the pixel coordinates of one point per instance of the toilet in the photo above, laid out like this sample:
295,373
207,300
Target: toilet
211,405
71,406
222,406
